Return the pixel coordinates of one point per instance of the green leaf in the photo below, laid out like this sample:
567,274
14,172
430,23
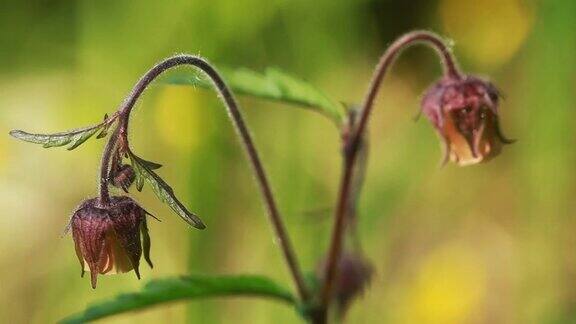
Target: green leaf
144,172
181,288
139,181
151,165
75,137
273,85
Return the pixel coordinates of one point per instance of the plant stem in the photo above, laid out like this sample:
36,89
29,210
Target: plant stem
448,63
104,200
351,145
246,139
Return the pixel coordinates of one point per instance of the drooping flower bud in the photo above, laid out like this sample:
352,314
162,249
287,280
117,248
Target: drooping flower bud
123,177
354,275
107,239
465,114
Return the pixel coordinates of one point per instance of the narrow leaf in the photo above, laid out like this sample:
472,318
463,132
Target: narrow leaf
187,287
273,85
73,137
162,190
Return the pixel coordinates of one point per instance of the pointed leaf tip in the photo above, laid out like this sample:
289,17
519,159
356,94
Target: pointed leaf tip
144,172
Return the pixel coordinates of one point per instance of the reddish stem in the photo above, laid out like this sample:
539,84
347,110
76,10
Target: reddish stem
104,200
244,134
352,143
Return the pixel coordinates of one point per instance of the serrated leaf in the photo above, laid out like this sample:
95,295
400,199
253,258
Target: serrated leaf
183,288
73,137
273,85
162,190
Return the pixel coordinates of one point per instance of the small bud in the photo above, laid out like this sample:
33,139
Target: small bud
354,275
107,239
123,177
465,114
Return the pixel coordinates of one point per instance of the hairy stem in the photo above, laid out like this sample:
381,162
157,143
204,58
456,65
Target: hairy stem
104,200
246,139
352,143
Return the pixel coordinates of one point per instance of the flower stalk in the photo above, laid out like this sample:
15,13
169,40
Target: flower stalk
105,169
120,137
353,141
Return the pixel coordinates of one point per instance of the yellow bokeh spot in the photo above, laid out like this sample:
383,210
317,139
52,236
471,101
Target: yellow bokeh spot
449,287
489,32
180,118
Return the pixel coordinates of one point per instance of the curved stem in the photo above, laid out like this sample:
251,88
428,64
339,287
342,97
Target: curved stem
242,130
449,65
352,143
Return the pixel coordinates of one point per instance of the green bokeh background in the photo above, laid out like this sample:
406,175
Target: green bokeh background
491,243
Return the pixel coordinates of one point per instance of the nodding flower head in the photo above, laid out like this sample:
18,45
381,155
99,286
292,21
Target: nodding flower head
107,238
465,114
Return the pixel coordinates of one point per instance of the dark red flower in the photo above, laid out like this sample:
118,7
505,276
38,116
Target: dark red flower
107,239
465,114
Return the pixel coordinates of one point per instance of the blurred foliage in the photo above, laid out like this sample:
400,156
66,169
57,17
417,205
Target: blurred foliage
272,85
484,244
